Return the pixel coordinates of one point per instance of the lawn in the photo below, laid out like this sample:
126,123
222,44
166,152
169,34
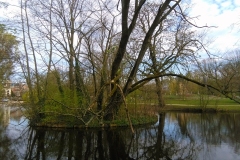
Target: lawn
201,102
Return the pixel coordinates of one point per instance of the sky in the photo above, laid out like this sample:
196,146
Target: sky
224,15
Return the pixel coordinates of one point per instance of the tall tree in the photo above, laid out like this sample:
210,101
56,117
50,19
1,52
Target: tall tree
8,50
128,25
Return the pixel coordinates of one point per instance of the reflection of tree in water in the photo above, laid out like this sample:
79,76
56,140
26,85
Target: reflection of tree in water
118,149
175,137
5,115
6,151
164,144
70,144
148,143
216,128
182,120
219,128
212,129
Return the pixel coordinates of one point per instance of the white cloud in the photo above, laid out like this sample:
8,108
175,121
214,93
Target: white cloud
222,14
237,3
10,10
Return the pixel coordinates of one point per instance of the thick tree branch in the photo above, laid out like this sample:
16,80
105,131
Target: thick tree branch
149,78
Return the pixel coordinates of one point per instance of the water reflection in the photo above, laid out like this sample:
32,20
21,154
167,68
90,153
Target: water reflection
175,136
4,115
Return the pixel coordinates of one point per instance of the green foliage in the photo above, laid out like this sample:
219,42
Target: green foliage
26,98
1,90
8,48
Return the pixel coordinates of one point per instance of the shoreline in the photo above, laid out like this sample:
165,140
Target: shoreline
201,109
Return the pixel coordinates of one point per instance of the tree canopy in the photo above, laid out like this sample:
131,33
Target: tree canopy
8,48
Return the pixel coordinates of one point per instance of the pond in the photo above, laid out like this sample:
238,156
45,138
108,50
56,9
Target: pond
177,136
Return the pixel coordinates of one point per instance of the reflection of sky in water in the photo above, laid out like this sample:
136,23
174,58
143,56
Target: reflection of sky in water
15,128
218,152
16,131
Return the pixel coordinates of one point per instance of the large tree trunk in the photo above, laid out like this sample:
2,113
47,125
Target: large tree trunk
71,79
83,98
100,96
161,101
113,106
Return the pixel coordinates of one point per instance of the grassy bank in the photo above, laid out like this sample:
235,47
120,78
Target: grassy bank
144,111
196,103
198,100
197,108
190,102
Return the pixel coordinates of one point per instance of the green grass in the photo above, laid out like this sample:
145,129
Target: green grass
196,100
207,103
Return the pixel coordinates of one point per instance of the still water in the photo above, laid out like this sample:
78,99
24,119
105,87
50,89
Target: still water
176,136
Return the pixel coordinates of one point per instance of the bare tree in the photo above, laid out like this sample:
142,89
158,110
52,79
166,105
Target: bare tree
172,45
223,74
109,49
128,26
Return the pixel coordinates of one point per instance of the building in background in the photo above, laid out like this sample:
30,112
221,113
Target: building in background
13,90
